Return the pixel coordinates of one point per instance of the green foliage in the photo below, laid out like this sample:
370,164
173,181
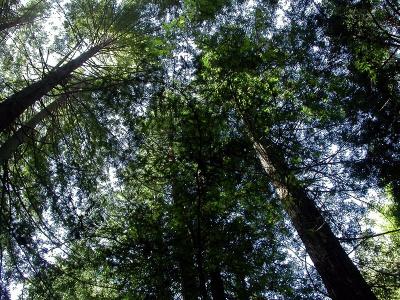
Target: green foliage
145,184
203,10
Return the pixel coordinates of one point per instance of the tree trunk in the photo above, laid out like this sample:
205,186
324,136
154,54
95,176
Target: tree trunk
340,276
217,285
28,16
15,105
17,21
10,24
241,289
184,253
183,244
198,238
26,132
189,282
200,269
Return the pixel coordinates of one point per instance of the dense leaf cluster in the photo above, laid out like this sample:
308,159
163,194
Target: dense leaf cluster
199,149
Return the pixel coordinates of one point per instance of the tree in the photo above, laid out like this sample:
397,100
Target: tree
14,106
201,151
365,36
12,14
46,187
244,83
214,241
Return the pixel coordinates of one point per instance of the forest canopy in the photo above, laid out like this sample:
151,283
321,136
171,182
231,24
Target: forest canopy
209,149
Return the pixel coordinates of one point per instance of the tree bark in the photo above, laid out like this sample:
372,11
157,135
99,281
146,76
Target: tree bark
26,132
217,285
10,24
341,277
16,21
189,282
14,106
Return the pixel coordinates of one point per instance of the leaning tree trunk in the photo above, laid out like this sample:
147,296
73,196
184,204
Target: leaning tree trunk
26,132
15,105
341,277
17,21
10,24
29,16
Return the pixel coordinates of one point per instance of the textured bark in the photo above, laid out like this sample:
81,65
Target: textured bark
341,277
26,132
15,105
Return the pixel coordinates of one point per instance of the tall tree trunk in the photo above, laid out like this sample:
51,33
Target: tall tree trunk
185,255
15,105
162,278
183,242
26,132
200,267
183,245
217,285
198,238
341,277
241,289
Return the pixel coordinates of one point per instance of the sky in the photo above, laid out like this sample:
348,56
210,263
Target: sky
53,25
